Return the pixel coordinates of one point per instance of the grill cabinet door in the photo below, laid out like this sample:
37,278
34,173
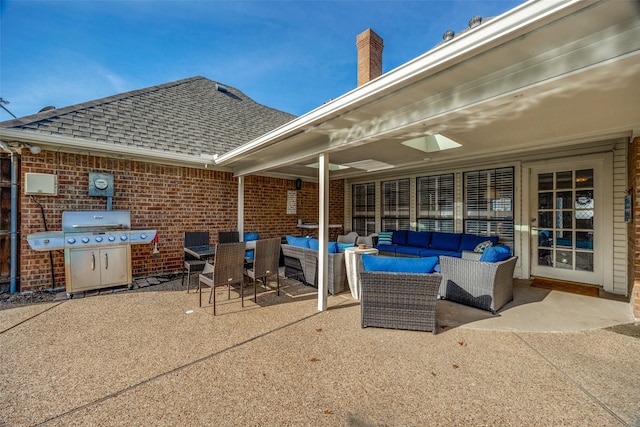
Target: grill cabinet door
84,268
114,264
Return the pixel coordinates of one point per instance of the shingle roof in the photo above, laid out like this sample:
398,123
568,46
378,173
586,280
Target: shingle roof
189,116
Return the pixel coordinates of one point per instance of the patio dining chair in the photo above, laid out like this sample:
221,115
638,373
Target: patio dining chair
348,238
227,269
266,263
228,236
192,264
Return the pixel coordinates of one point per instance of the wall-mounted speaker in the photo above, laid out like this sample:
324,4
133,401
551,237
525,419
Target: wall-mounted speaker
298,184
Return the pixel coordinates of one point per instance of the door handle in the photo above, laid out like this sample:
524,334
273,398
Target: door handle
93,261
106,261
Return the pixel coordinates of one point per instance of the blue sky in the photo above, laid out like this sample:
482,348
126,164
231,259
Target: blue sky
289,55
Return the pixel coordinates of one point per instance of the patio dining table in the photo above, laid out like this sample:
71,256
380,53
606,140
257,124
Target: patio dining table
205,252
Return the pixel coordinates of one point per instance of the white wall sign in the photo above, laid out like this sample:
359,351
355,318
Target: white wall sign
292,202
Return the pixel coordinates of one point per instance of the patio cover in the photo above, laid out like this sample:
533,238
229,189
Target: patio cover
543,76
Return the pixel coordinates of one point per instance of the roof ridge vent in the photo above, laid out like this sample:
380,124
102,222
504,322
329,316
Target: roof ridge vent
475,21
221,88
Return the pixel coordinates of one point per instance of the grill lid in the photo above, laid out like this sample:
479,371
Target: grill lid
78,221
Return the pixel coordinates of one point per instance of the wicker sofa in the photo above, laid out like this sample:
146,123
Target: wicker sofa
399,300
302,264
486,285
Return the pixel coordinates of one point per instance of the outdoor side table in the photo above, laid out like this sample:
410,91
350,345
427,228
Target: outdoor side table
353,264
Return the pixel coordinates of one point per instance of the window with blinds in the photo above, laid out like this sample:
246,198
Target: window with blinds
396,204
363,215
435,203
488,203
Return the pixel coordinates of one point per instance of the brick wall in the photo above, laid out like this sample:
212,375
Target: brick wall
170,199
633,228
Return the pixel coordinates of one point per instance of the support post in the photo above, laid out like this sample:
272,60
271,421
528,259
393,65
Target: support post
241,208
323,231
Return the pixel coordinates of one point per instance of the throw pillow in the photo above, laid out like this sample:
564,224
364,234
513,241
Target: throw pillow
496,254
482,246
399,264
343,246
314,244
302,242
384,237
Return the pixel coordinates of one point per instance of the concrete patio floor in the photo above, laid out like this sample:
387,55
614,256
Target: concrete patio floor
156,358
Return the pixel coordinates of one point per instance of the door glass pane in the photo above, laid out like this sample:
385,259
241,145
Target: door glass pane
584,240
545,257
564,180
545,238
584,261
545,201
564,239
564,259
545,219
584,178
565,219
564,200
545,181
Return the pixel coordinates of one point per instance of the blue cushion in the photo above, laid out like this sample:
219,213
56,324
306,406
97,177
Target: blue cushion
470,241
400,237
302,242
248,237
409,250
384,237
314,244
386,248
343,246
496,254
445,241
421,239
439,252
398,265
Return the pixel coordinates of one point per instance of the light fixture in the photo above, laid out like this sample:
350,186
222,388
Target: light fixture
33,148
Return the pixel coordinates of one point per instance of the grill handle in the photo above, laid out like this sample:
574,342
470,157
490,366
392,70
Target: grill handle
106,261
93,261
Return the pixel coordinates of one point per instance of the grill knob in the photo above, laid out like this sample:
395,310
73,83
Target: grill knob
99,239
112,238
143,236
85,240
123,237
71,240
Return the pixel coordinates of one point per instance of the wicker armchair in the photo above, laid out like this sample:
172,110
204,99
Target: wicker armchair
399,300
265,264
486,285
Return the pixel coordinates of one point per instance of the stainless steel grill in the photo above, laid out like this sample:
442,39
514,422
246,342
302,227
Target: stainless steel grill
97,247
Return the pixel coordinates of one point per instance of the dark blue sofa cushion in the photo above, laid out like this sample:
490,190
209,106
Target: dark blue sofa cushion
408,250
398,265
438,252
421,239
400,237
386,248
470,241
445,241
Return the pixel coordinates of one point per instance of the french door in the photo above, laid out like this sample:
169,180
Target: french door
569,222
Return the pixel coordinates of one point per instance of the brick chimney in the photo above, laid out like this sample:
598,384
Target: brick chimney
369,56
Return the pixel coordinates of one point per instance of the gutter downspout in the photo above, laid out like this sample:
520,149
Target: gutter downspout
14,223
